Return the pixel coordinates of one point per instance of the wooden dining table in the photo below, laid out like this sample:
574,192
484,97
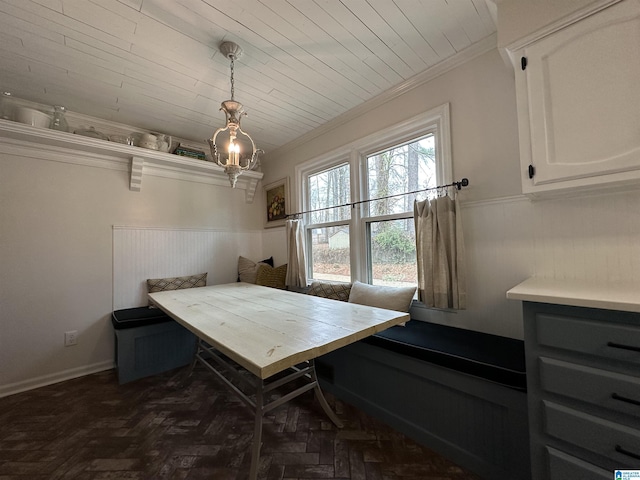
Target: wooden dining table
274,334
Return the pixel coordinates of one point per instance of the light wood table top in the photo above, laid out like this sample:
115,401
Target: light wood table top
268,330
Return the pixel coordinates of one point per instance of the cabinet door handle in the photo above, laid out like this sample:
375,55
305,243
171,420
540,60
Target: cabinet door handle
531,171
623,347
615,396
621,450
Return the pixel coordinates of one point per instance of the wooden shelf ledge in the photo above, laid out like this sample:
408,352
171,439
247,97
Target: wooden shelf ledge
20,139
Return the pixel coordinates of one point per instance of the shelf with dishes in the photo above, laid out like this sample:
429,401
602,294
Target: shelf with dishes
106,151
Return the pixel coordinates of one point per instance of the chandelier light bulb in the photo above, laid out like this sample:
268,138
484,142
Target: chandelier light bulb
234,154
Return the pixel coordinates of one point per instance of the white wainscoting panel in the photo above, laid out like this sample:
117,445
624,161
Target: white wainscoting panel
140,253
588,238
274,243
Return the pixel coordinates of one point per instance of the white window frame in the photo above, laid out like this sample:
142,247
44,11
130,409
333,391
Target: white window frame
435,121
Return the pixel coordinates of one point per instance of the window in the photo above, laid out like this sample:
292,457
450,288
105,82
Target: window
328,232
390,231
373,241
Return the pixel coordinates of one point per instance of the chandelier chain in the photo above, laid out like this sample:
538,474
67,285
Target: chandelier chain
232,80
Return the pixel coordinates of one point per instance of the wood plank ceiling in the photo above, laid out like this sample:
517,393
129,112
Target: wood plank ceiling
155,64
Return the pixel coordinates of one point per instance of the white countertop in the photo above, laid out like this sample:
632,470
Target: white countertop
624,296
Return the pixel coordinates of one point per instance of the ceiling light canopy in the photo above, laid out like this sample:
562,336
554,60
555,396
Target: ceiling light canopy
231,147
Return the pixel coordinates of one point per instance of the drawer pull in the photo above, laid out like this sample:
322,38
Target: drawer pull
623,347
615,396
621,450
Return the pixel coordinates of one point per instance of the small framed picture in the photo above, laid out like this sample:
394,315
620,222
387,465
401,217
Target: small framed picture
277,202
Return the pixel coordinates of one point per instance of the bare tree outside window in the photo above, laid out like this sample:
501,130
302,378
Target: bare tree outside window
330,189
399,170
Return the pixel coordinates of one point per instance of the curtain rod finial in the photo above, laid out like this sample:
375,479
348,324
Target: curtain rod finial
462,183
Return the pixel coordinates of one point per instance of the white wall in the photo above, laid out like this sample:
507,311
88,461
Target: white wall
56,253
507,237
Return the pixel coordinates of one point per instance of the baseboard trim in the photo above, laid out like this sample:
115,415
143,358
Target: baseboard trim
50,379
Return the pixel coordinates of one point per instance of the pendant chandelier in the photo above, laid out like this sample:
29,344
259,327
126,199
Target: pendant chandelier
231,147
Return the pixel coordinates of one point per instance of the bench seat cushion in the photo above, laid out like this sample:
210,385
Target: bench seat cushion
492,357
138,317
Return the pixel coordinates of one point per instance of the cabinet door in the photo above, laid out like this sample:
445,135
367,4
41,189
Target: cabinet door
580,100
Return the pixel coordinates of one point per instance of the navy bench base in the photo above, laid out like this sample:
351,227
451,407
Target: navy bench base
149,342
458,392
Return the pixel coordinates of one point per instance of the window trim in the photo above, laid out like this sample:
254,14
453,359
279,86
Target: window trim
435,121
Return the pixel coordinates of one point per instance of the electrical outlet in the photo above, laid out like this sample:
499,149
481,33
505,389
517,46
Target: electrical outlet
70,338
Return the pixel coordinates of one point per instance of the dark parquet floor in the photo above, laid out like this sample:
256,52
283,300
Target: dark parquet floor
166,427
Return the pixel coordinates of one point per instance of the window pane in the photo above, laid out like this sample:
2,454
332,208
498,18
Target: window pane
392,250
405,168
330,254
328,189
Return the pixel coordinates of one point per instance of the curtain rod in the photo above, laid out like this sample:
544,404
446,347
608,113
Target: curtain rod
462,183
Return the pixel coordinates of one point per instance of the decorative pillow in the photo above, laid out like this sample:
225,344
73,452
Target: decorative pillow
391,298
176,283
333,290
248,269
272,277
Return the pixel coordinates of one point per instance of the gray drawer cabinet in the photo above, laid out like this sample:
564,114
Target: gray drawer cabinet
567,467
583,380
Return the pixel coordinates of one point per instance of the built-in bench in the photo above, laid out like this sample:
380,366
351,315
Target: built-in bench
457,391
149,342
490,357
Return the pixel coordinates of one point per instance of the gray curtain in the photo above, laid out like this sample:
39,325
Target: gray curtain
440,253
297,269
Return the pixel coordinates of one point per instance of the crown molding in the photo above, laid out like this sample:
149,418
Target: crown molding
559,24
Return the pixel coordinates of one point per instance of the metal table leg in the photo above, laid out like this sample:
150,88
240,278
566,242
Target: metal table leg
208,356
320,396
257,432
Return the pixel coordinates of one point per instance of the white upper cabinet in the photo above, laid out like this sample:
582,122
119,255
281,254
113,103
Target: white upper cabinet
578,94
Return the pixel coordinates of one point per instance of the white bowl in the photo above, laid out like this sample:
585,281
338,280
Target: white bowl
149,145
33,117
